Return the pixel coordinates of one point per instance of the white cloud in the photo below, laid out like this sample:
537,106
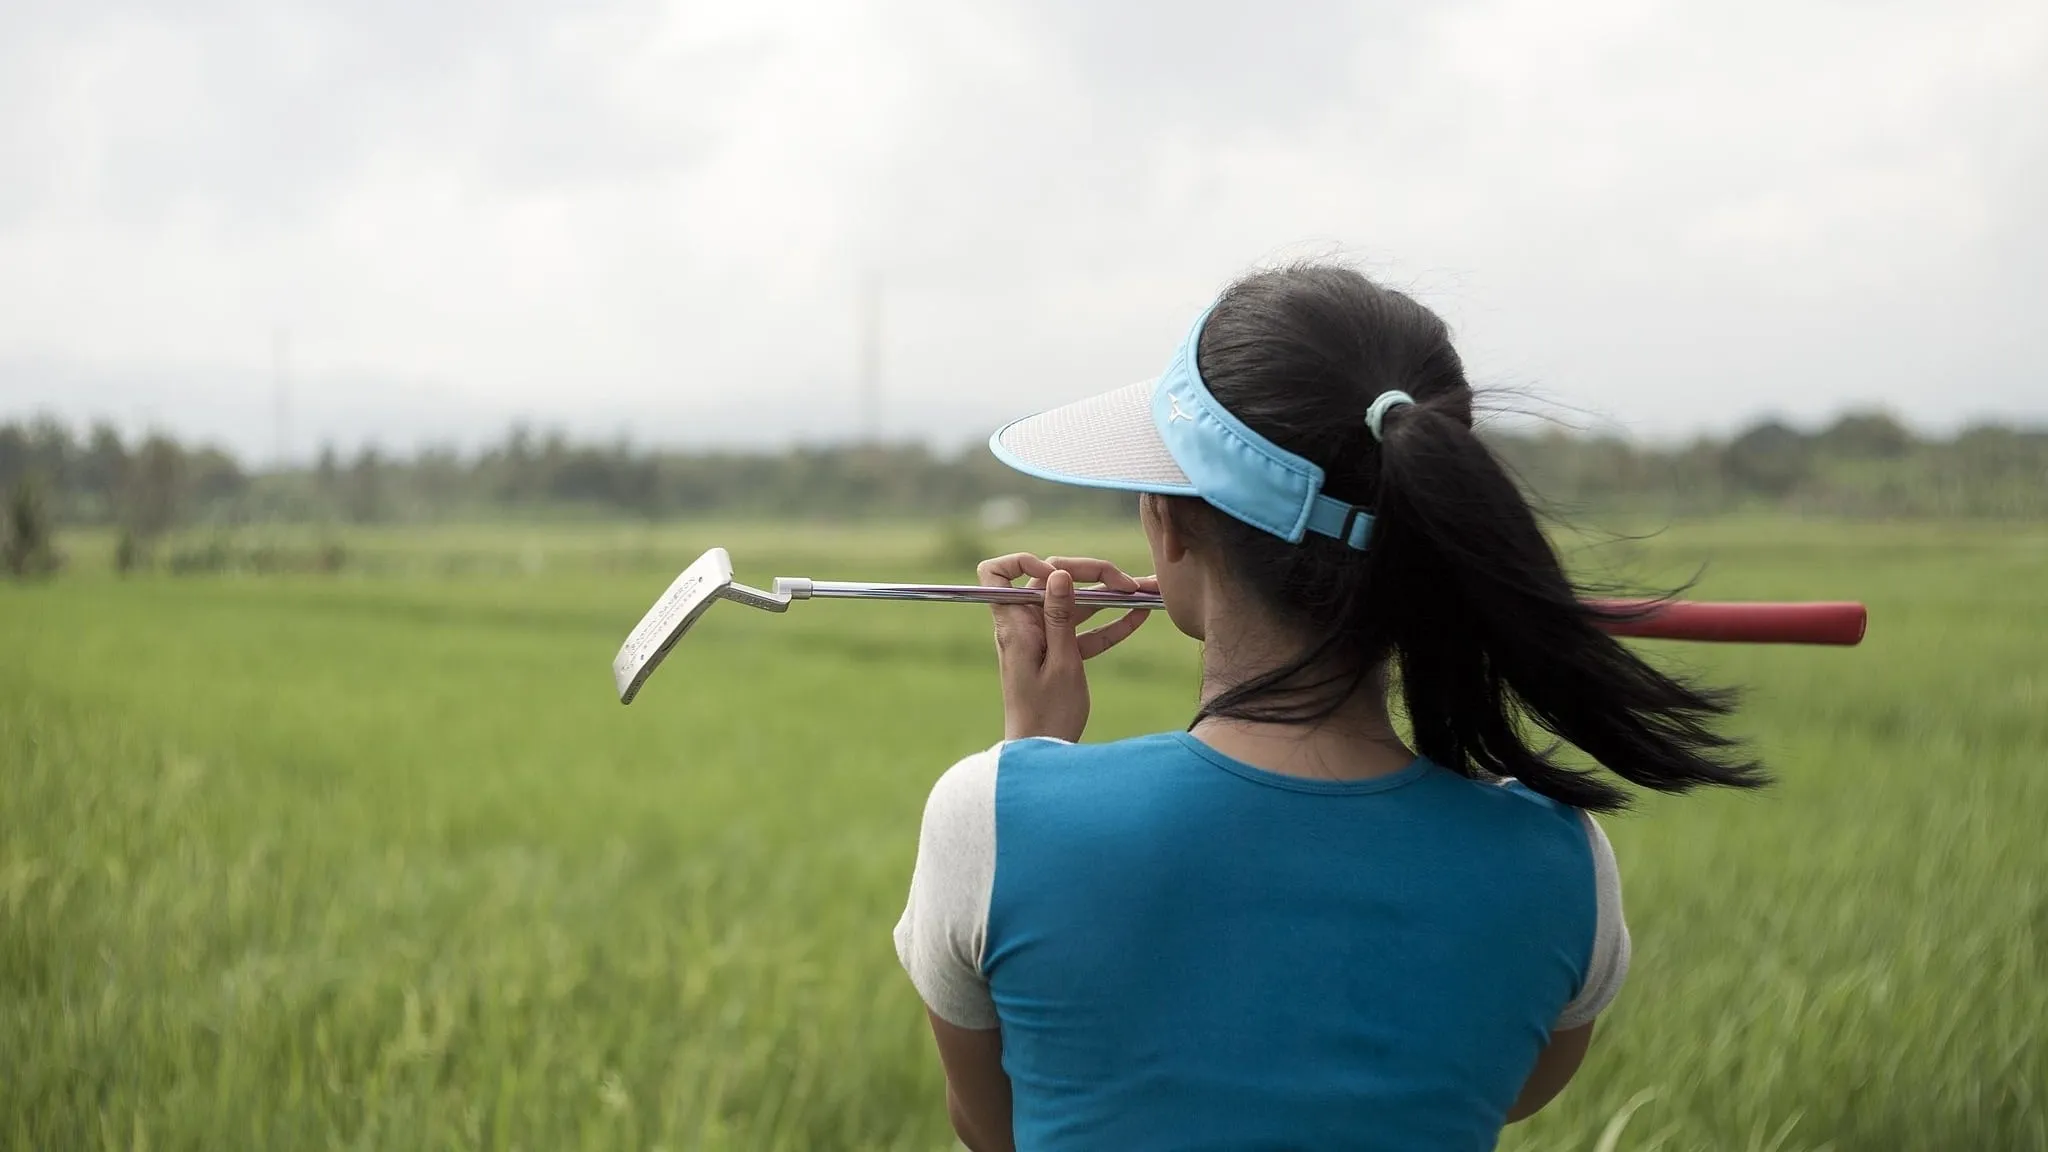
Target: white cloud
658,215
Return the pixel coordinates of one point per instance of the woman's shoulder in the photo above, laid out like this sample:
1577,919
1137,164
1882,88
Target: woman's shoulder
1051,750
966,790
1032,755
1510,804
1512,795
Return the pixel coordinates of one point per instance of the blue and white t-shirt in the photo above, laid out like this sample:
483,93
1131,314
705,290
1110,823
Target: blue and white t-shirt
1185,951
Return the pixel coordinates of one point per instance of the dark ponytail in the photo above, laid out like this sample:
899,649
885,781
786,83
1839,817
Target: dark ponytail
1459,592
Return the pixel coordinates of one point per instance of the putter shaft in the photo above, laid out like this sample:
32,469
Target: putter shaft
799,588
1806,622
709,579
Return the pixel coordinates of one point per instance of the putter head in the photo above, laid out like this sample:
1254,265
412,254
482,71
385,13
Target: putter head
706,581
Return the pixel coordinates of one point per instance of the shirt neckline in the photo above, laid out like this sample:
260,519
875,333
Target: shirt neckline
1414,771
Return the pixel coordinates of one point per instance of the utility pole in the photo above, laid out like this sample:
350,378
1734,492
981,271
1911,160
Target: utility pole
282,389
871,359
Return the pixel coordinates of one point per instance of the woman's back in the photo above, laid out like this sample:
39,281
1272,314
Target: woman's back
1153,944
1186,951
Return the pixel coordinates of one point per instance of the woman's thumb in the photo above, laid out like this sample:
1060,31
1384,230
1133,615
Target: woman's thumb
1061,644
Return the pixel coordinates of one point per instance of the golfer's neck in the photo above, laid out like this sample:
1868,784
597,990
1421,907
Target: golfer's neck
1357,741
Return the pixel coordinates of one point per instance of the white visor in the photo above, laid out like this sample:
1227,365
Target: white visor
1171,436
1104,441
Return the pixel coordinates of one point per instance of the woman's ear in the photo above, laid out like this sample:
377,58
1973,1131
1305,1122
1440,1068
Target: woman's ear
1169,539
1181,581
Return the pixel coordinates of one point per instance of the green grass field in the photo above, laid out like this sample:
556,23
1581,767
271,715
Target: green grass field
378,861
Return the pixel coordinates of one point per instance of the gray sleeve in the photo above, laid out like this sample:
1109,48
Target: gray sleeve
944,927
1609,966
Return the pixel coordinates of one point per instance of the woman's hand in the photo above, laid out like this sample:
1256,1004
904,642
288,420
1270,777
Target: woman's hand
1045,691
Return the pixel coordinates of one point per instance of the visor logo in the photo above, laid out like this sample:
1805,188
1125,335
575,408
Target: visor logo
1177,413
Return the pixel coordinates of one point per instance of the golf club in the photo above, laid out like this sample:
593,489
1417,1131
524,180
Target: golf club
709,579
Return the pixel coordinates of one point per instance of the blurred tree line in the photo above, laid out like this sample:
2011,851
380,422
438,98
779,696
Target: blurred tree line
1863,464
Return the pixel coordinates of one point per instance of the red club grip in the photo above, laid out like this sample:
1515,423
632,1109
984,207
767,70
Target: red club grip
1813,622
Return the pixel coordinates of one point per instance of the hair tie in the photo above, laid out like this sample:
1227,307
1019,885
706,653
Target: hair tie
1378,411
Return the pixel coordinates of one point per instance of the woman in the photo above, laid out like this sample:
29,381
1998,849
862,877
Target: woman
1284,927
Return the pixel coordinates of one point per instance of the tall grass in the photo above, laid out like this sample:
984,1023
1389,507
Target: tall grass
379,862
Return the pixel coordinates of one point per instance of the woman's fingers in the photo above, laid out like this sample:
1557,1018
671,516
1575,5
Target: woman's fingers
1110,635
1001,570
1087,569
1062,645
1017,625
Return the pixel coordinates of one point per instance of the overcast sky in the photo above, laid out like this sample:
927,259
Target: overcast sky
630,216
